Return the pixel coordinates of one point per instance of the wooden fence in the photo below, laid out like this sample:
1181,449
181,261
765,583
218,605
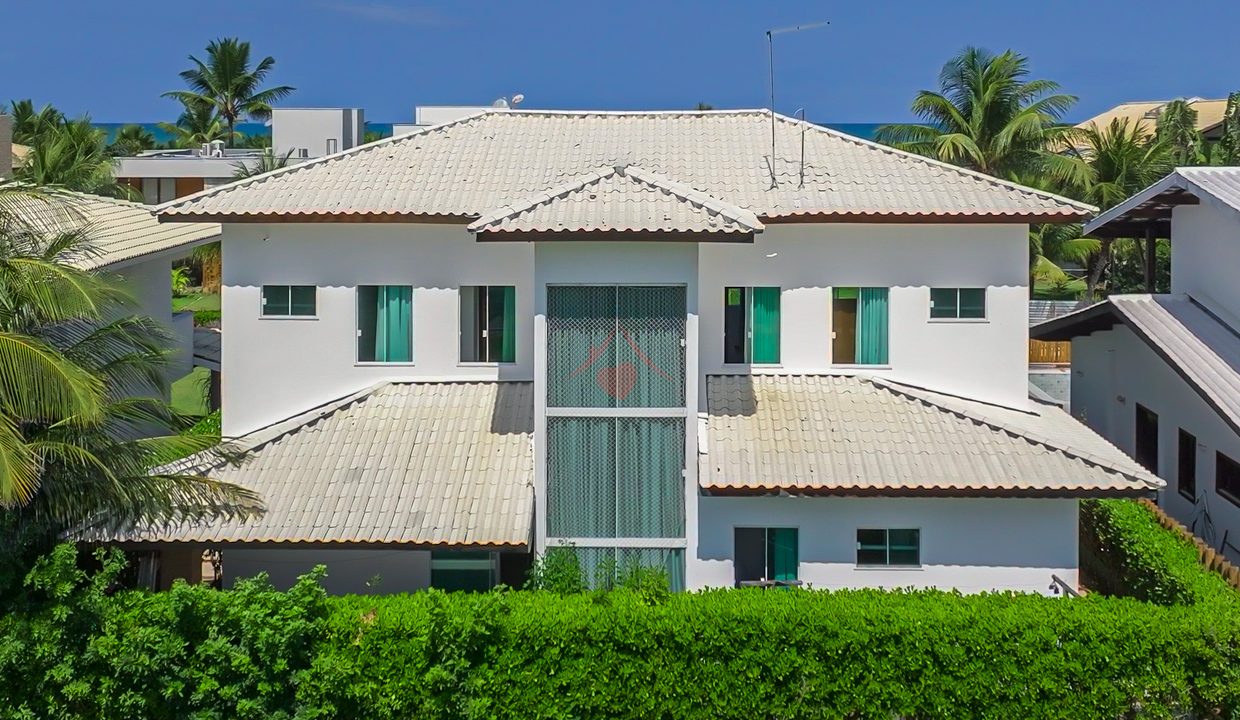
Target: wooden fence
1212,559
1050,353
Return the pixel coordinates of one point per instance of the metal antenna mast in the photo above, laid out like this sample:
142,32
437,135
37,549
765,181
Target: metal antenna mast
770,56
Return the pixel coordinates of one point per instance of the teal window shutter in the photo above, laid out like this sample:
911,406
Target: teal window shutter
394,324
508,348
781,548
764,325
872,326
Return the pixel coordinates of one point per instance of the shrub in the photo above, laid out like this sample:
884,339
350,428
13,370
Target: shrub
74,648
1126,552
207,318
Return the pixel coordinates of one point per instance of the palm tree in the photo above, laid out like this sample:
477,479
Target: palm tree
75,444
72,155
226,82
1177,127
268,162
1123,158
198,123
1229,144
131,140
30,124
987,116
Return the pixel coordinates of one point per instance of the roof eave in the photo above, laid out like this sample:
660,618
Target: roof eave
936,492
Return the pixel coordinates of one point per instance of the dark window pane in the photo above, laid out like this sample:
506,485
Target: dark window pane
367,320
1147,438
973,303
472,304
302,299
871,547
1227,477
734,324
1186,477
905,547
468,571
749,554
844,326
943,303
275,300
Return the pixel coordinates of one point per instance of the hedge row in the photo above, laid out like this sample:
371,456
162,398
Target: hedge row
73,649
1126,551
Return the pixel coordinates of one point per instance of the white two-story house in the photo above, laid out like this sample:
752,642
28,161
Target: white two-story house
1159,375
650,337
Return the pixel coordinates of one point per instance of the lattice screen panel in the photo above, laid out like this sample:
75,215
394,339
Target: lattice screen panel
615,477
615,346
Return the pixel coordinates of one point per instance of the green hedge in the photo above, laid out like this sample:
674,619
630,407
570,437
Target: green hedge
74,649
1126,552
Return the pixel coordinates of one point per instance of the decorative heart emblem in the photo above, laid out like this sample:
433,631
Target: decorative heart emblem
617,381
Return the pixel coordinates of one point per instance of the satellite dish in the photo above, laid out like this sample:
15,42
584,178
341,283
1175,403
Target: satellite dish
516,99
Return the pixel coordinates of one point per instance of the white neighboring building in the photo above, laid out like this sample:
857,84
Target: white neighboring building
1159,375
638,337
301,133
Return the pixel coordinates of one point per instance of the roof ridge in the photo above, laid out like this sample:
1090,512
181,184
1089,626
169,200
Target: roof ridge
170,206
991,179
635,173
912,392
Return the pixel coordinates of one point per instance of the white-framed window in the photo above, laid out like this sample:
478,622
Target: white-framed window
289,300
488,323
385,323
889,547
958,303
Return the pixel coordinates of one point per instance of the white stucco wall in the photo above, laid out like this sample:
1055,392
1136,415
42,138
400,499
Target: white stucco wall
347,570
971,545
1205,255
150,284
1115,370
985,359
285,366
273,368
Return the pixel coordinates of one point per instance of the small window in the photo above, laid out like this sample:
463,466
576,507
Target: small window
765,555
158,190
288,300
889,547
462,570
1147,438
859,326
333,145
385,323
1186,474
489,324
1227,477
958,303
751,325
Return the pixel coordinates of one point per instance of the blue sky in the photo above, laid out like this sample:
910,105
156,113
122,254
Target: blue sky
113,59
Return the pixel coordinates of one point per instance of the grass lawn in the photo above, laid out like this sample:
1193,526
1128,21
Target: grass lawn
188,396
1072,290
196,301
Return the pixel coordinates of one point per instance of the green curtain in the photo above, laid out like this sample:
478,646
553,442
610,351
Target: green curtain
508,350
581,480
394,324
650,346
765,325
650,485
781,549
581,343
872,326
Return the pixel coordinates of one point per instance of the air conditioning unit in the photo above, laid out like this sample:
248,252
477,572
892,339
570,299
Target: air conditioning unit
205,150
217,148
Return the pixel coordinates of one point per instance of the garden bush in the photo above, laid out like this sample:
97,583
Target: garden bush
1125,551
75,647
